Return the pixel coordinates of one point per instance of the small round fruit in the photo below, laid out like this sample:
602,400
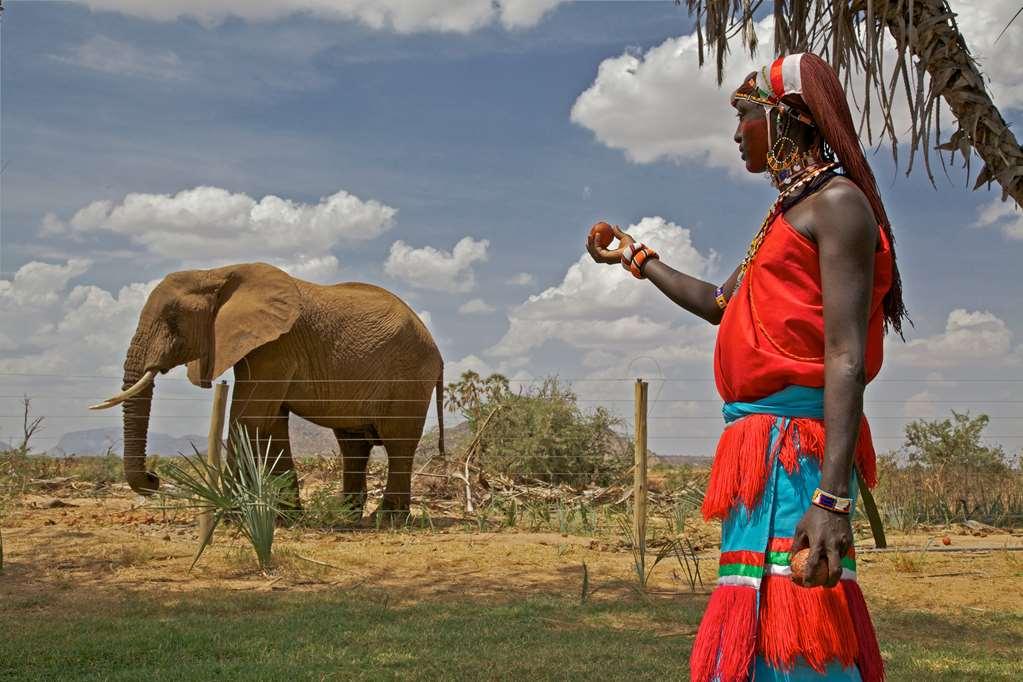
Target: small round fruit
603,235
946,540
797,562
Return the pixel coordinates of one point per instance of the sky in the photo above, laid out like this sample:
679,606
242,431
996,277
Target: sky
455,153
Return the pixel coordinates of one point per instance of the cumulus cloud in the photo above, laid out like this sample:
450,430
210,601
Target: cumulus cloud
522,279
208,226
969,336
476,306
661,105
106,55
52,327
436,270
319,269
401,16
596,306
1004,215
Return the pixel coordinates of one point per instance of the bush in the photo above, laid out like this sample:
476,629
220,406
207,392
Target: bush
541,434
949,475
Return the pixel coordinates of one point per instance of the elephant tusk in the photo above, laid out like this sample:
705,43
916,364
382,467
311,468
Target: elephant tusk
139,386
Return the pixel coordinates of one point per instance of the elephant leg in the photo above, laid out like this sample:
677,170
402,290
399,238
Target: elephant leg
259,409
354,458
398,493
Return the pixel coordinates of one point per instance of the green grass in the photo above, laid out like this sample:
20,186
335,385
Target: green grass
359,636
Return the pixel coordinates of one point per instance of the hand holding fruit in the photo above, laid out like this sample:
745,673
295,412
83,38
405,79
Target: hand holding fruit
600,237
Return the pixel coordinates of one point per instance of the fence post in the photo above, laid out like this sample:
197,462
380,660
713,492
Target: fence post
639,476
217,418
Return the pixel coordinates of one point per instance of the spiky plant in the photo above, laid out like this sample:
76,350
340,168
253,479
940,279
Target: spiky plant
247,492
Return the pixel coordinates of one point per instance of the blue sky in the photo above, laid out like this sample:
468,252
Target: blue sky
508,134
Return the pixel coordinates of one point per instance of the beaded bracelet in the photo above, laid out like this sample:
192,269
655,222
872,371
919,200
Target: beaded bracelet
825,500
635,257
719,297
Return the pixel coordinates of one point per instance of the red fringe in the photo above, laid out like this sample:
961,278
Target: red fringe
740,466
868,658
809,623
741,461
724,646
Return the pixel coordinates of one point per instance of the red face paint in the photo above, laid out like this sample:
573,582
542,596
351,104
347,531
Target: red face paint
754,143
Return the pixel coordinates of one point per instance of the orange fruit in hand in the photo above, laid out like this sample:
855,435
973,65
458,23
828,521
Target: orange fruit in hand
797,562
602,233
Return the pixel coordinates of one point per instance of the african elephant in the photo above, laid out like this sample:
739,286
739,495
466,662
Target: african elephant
351,357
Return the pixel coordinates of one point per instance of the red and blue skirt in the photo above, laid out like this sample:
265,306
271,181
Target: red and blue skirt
759,625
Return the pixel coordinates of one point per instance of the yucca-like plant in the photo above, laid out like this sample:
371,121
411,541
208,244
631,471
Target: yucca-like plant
247,492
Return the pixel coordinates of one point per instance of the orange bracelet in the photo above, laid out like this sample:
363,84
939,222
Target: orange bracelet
640,258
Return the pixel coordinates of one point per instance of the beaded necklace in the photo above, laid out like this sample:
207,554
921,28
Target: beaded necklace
796,183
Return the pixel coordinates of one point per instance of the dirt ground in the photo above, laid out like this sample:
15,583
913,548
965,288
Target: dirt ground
79,552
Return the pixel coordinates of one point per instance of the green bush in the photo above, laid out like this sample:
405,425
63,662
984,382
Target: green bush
541,434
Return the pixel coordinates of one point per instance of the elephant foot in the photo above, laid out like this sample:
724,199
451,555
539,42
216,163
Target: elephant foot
351,507
393,510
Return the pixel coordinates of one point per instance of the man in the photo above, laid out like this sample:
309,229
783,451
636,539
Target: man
802,321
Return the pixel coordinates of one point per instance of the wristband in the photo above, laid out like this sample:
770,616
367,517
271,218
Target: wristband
834,503
719,297
635,256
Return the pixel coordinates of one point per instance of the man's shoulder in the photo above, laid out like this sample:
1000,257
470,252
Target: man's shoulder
841,207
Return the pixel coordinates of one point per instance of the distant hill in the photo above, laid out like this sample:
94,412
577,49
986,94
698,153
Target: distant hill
99,441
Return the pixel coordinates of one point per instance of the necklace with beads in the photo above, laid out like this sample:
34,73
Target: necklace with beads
795,182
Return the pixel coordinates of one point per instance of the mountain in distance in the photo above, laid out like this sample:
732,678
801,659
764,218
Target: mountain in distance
111,439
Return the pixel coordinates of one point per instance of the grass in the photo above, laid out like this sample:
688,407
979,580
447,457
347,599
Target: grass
363,636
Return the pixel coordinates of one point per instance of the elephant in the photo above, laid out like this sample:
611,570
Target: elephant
351,357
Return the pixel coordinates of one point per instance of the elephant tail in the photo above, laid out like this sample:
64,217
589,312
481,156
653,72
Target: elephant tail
440,413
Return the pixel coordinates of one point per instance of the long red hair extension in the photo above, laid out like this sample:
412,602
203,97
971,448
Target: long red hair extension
825,98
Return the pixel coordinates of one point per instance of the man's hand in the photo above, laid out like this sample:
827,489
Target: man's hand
611,257
829,536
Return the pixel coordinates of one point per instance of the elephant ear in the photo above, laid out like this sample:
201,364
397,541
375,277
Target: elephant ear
258,303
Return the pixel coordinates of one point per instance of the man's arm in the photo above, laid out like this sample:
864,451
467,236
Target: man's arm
843,225
691,293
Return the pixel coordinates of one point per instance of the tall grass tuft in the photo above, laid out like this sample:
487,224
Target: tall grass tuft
246,493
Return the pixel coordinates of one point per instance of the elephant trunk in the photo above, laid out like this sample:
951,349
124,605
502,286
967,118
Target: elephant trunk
136,423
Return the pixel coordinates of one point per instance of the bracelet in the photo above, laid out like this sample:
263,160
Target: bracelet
834,503
635,257
719,297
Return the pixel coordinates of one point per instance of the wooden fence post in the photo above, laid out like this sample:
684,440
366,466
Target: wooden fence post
217,418
639,476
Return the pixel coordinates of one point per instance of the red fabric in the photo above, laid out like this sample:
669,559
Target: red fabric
772,332
742,556
777,82
730,618
740,468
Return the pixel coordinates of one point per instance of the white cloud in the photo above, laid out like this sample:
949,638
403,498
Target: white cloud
596,305
436,270
522,279
1005,215
401,16
100,53
320,269
52,327
207,226
662,105
969,337
476,306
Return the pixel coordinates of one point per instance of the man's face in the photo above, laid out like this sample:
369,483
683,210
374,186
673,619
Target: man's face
751,135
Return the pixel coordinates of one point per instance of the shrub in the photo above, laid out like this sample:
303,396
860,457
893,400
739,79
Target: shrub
541,434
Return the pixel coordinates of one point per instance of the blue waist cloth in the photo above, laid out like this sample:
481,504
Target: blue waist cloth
791,401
